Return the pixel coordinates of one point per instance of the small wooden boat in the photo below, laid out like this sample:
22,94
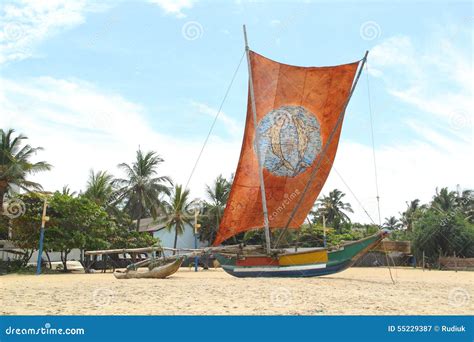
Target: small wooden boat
157,271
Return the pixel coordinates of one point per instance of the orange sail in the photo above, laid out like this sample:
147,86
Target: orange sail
299,114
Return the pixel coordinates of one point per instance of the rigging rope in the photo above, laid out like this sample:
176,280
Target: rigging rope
373,144
215,120
375,169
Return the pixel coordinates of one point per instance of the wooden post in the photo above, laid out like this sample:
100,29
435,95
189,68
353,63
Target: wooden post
257,140
324,231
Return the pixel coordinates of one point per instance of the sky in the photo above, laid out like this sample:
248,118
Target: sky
92,81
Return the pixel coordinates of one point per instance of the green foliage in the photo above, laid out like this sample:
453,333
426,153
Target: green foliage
216,199
142,189
16,165
443,234
333,209
178,212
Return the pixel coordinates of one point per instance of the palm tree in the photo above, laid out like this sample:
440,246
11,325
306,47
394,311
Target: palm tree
391,223
217,196
444,200
15,164
409,215
465,202
100,188
178,212
333,209
142,189
67,191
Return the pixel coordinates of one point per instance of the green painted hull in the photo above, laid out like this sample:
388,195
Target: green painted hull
338,260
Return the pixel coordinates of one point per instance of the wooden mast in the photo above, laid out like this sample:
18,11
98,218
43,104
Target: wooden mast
257,140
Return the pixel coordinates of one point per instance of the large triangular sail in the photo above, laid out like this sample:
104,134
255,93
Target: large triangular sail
299,114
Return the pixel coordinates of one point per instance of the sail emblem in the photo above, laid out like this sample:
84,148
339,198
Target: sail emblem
290,140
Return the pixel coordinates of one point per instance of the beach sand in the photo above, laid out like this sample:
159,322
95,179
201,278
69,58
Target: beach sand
356,291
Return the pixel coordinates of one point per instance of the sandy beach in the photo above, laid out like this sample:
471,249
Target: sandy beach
356,291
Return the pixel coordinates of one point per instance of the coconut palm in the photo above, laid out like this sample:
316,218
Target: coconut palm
465,203
16,165
392,223
333,209
67,191
100,188
142,189
178,212
409,216
216,200
444,200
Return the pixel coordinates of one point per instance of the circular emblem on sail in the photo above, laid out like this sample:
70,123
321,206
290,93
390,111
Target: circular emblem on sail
289,140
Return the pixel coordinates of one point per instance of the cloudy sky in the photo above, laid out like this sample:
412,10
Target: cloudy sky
91,81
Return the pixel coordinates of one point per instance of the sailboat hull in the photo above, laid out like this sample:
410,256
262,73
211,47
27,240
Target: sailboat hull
311,263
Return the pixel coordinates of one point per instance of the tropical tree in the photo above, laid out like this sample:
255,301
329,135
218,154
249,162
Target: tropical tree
216,198
100,188
333,209
67,191
178,212
392,223
16,164
465,203
444,200
142,189
411,213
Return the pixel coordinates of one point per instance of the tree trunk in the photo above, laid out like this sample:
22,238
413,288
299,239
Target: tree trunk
2,196
64,260
175,239
140,211
49,260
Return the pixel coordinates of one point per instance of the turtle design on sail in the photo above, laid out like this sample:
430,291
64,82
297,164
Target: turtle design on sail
289,145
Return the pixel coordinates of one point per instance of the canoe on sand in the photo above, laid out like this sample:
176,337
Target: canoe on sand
159,272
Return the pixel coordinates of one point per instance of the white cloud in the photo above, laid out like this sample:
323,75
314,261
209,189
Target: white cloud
435,80
82,127
275,22
174,7
410,170
25,24
229,123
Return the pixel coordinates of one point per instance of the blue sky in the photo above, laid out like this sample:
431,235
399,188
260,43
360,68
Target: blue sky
90,81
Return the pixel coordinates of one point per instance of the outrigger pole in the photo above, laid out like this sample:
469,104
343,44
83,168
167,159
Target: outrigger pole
257,140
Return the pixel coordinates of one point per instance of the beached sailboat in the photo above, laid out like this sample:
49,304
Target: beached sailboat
293,124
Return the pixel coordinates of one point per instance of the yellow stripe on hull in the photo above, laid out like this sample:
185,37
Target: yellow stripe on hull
302,258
